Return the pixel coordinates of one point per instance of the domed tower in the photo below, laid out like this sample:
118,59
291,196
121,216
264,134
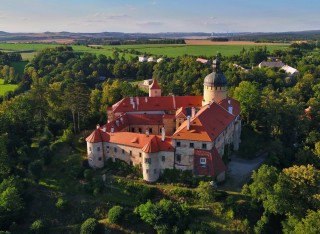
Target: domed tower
215,85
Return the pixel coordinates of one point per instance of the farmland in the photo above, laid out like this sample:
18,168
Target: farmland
28,50
4,88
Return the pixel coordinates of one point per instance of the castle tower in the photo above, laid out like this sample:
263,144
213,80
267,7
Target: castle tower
214,85
154,89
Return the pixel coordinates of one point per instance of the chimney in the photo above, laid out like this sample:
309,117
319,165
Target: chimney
147,133
98,126
230,109
188,123
112,129
174,102
104,129
193,112
163,134
133,105
146,99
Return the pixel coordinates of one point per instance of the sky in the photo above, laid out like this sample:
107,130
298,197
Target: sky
152,16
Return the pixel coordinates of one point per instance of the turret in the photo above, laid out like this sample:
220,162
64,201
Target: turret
214,85
154,89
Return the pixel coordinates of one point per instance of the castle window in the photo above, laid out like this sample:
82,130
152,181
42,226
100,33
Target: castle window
90,149
132,129
163,158
147,161
140,154
155,171
203,162
130,153
178,143
178,158
122,151
98,149
99,158
150,130
140,130
204,146
131,163
147,171
115,149
191,145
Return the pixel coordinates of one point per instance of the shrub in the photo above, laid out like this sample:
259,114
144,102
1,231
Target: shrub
115,214
89,226
37,227
36,169
62,204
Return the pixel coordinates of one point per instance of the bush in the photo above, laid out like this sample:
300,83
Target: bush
89,226
115,214
36,169
37,227
62,204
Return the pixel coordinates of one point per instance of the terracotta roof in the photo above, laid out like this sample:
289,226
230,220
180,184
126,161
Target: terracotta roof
154,85
235,104
201,60
150,144
208,123
214,164
98,135
163,103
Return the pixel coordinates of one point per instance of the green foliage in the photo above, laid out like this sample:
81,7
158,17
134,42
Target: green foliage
205,192
115,214
309,224
67,136
166,213
38,227
89,226
35,169
4,159
62,204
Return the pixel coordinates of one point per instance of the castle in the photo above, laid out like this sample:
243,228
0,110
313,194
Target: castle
181,132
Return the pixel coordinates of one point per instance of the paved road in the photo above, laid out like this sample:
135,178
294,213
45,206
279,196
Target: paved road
239,171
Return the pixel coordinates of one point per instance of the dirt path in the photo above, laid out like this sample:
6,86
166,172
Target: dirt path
239,172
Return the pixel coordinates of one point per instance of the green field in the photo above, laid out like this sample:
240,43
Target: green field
6,87
29,50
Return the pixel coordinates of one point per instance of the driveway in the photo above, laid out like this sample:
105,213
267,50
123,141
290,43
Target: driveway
239,172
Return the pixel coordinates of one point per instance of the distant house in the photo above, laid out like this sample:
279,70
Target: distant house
143,59
204,61
290,70
240,67
152,59
277,64
159,60
147,82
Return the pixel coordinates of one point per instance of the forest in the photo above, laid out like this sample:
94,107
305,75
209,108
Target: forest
46,185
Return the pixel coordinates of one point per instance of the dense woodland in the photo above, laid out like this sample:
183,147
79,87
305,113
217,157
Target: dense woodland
62,96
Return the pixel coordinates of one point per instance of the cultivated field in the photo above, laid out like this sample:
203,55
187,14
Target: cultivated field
226,49
209,42
6,87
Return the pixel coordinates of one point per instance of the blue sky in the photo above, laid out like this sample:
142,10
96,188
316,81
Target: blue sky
159,15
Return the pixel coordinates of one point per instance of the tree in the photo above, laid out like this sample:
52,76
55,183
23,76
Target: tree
4,159
38,227
309,224
205,192
163,213
90,226
36,169
249,97
115,214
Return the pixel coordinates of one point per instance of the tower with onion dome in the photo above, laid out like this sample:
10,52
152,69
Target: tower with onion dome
215,85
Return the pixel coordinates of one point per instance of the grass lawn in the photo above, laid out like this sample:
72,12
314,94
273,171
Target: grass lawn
4,88
29,50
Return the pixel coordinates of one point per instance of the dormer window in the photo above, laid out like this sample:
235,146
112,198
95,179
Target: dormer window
203,162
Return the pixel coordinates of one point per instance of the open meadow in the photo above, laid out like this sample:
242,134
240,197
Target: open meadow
4,88
173,50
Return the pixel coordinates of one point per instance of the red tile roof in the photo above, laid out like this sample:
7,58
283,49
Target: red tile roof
98,135
150,144
208,123
235,104
154,85
214,164
163,103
